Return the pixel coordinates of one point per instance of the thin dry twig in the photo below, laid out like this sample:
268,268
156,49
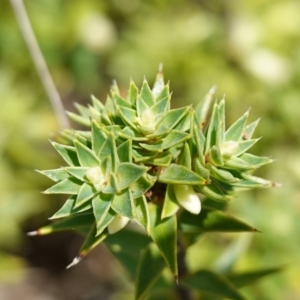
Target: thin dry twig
39,62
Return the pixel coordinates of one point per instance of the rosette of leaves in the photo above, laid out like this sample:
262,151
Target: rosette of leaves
141,160
220,155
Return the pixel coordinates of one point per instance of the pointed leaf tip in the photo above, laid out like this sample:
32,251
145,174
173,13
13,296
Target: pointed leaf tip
75,261
32,233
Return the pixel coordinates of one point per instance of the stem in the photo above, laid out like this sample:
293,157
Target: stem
182,292
39,62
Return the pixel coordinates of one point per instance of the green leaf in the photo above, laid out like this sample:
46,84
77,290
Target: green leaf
141,186
55,174
98,137
89,244
133,134
236,130
127,173
109,149
203,107
247,161
184,158
86,192
68,208
163,105
215,156
249,130
86,156
172,118
200,142
170,206
123,203
128,115
72,222
69,186
164,234
132,93
214,130
177,174
244,146
126,246
119,101
101,205
141,106
125,151
161,159
79,119
77,172
141,213
111,187
68,153
207,281
210,220
173,138
200,170
211,191
245,278
146,94
222,175
151,265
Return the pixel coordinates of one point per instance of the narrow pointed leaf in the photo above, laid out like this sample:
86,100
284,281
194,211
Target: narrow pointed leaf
213,130
203,107
98,137
101,205
72,222
141,212
200,170
132,93
77,172
215,156
242,279
123,203
151,265
177,174
126,246
68,153
55,174
86,156
184,158
249,130
127,173
69,186
125,151
159,83
68,209
79,119
173,117
207,281
170,206
161,160
162,106
236,130
244,146
210,220
223,175
173,138
141,186
86,192
146,94
89,244
164,234
214,193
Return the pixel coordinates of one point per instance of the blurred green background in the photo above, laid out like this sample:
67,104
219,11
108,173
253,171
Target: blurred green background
249,49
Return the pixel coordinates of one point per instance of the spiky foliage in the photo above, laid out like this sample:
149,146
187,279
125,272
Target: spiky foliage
141,160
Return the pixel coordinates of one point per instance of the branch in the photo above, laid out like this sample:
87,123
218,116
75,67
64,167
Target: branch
39,62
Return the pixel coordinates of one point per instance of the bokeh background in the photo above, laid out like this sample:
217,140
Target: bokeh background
249,49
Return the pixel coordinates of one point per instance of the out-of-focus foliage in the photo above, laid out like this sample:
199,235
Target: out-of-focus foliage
250,49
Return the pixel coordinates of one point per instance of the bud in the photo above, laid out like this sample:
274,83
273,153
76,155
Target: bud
228,149
147,121
95,176
117,224
187,198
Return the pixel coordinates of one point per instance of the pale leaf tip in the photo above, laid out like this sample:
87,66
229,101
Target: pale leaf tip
75,261
32,233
